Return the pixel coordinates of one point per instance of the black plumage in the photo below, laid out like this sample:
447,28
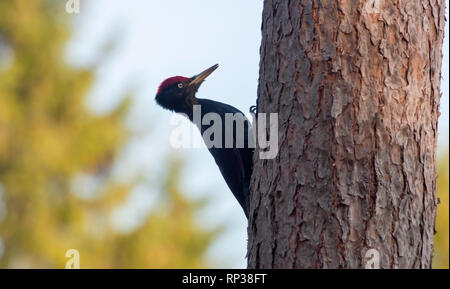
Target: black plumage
235,163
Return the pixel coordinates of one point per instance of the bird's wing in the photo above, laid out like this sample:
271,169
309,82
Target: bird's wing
233,168
235,164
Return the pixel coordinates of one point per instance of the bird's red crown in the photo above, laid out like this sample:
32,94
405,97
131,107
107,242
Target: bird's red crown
169,81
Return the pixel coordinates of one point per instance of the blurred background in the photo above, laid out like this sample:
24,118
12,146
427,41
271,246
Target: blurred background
85,160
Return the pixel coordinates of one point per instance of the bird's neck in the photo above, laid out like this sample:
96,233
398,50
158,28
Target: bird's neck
186,107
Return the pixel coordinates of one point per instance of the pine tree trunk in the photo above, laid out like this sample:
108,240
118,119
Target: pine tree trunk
357,87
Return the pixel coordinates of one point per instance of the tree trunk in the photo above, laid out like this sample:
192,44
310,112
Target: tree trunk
357,87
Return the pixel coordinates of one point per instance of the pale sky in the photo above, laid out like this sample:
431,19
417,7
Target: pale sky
158,39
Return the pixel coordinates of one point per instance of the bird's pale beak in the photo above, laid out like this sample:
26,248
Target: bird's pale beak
198,79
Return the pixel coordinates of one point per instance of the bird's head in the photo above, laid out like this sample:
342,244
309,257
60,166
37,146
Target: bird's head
177,93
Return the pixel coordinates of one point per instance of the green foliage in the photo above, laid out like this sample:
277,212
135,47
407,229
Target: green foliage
47,137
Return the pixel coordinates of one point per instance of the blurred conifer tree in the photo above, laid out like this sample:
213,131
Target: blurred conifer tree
441,239
47,137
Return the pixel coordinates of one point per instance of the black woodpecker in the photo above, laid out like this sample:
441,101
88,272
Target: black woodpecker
177,94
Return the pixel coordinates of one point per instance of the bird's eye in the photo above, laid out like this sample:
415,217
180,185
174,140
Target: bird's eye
180,85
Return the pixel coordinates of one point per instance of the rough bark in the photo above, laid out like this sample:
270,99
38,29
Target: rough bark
357,88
